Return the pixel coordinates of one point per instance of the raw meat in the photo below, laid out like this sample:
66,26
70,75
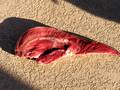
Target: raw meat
47,44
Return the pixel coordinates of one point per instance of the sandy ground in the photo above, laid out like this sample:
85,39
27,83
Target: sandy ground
90,72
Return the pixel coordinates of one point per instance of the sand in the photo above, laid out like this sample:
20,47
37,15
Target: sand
88,72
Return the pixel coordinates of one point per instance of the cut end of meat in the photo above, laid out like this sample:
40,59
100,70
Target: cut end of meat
46,44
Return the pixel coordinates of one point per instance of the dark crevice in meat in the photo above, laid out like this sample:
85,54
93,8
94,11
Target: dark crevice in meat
66,47
49,51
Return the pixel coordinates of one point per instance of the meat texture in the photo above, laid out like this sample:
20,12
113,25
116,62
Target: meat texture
47,44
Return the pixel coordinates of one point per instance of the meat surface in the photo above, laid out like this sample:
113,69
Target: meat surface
47,44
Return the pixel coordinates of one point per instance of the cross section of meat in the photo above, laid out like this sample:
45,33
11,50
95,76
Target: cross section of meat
47,44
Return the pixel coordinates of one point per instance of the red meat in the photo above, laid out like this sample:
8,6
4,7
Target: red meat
46,44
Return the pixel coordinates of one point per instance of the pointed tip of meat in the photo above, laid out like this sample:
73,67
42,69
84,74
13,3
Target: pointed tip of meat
97,47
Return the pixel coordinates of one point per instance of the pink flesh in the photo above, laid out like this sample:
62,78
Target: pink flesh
47,44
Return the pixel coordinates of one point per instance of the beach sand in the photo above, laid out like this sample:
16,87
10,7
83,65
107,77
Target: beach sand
83,72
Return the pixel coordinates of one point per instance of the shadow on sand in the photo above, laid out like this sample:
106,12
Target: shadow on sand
7,82
11,29
108,9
